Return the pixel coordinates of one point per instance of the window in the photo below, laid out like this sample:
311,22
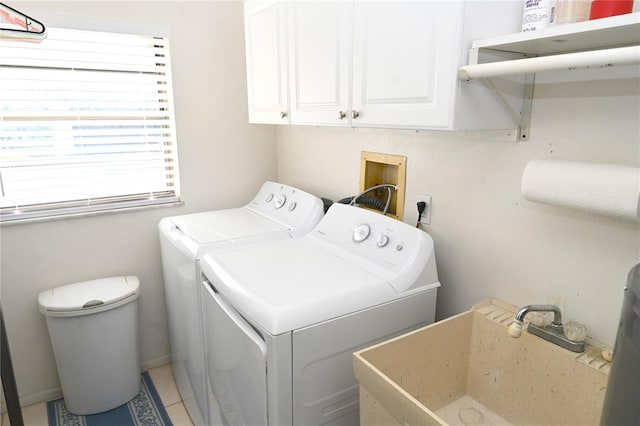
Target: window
86,124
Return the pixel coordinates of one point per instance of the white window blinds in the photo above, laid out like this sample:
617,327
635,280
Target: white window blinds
86,124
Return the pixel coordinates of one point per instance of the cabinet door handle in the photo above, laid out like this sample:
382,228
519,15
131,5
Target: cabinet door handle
283,114
355,114
341,115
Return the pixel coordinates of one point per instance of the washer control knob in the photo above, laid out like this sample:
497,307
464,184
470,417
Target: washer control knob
268,198
280,200
382,240
361,233
292,206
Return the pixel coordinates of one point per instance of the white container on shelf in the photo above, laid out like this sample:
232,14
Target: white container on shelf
537,14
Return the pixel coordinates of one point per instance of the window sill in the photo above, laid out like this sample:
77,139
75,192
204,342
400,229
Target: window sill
8,220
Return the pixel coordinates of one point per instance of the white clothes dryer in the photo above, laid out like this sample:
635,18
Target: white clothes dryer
282,319
276,212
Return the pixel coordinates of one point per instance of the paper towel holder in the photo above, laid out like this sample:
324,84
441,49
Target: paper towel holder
604,189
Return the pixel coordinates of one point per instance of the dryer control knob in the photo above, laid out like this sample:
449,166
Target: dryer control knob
382,240
292,206
361,233
268,198
280,200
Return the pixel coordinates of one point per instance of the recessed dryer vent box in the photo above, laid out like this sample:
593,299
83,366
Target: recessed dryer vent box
378,169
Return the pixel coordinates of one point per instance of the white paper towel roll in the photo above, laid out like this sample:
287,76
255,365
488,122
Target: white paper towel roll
604,189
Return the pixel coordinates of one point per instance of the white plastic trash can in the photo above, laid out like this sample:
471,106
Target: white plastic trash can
93,327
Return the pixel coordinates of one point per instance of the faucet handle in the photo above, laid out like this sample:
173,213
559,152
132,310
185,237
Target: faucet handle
541,318
575,331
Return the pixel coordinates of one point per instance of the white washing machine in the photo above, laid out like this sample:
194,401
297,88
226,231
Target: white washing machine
282,319
276,212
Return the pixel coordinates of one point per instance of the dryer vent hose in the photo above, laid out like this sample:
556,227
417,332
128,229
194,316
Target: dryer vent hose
372,201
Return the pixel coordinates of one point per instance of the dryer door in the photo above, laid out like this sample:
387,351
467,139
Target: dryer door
236,365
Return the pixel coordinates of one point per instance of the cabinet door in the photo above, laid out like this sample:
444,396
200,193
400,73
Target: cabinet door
320,52
405,58
266,51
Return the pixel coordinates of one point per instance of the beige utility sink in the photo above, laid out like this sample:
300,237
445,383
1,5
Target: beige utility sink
467,370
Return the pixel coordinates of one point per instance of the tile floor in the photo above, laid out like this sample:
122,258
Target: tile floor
36,414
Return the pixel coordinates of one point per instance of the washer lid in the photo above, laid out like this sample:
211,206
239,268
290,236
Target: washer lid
225,225
89,296
289,284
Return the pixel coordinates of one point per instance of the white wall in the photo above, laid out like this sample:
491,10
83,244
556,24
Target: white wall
489,240
223,162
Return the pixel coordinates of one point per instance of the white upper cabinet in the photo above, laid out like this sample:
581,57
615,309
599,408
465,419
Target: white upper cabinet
320,67
403,57
266,52
372,64
389,64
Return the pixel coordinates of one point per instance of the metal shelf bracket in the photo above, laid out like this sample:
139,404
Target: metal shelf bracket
522,118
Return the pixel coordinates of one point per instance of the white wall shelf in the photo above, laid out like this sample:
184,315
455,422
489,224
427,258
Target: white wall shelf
604,43
615,31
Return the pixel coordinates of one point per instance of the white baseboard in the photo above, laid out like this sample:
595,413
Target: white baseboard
153,363
45,395
54,393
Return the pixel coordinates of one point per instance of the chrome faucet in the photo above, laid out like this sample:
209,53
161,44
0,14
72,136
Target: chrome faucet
553,332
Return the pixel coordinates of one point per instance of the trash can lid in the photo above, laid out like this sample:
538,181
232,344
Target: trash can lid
89,297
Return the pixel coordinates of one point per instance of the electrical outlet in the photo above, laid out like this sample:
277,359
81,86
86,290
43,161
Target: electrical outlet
426,216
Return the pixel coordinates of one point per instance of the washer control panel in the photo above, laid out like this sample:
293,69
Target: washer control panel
296,209
375,238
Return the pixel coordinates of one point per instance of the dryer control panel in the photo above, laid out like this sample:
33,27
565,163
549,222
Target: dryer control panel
298,210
